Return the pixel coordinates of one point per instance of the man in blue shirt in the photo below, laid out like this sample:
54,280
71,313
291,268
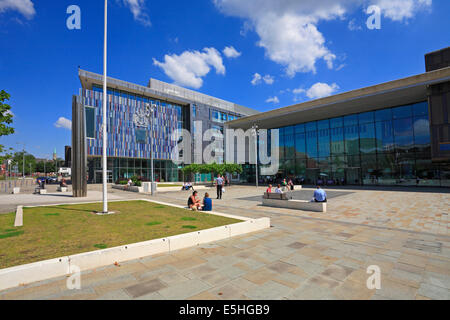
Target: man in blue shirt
320,195
207,203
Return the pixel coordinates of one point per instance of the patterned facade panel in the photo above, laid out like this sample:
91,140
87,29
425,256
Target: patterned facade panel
127,138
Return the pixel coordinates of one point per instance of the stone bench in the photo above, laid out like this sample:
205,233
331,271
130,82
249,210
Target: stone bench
40,191
295,204
277,196
62,189
128,188
16,190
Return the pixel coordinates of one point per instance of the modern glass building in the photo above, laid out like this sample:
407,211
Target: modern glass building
380,135
131,135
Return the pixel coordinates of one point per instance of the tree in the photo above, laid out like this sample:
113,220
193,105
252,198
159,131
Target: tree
6,117
17,159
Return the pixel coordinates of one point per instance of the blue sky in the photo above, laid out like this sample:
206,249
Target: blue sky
279,52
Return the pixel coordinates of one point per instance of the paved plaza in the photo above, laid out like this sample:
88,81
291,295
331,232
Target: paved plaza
304,255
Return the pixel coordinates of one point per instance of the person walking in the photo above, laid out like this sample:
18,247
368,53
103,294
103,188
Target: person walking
219,184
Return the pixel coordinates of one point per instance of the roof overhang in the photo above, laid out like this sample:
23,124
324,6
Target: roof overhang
389,94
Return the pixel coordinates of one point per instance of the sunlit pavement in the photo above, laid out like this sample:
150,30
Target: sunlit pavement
305,255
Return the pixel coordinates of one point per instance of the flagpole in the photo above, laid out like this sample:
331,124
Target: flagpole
105,97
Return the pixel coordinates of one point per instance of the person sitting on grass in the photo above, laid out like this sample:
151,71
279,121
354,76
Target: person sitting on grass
278,189
193,202
320,195
269,189
207,203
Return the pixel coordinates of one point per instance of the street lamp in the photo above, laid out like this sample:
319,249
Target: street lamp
255,133
23,159
105,97
151,107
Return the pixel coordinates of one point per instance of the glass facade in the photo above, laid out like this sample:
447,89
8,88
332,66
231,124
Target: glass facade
383,147
129,143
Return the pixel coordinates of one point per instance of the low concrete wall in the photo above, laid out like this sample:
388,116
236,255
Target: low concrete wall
296,204
128,188
197,188
43,270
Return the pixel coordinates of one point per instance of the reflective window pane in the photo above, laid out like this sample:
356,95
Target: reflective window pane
351,139
382,115
384,136
300,145
289,146
311,144
311,126
300,128
367,140
420,109
403,134
402,112
337,140
366,117
337,122
324,142
351,120
421,127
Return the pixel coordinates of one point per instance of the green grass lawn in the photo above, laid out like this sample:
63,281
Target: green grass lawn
169,185
51,232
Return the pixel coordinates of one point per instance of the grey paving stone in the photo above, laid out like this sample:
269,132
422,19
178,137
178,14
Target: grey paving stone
183,290
270,290
311,292
437,279
115,295
433,292
147,287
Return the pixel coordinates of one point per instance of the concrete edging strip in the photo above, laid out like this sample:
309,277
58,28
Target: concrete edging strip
18,222
53,268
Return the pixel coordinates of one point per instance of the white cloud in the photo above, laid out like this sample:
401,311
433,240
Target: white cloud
318,90
231,52
268,79
188,68
63,123
137,8
257,79
25,7
274,100
288,29
321,90
352,26
400,10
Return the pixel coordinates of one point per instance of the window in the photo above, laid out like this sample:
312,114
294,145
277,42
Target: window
402,112
384,136
352,139
141,136
366,117
420,109
382,115
300,146
90,122
367,138
311,144
403,134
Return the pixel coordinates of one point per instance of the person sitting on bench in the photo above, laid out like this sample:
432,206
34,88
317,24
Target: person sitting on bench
320,195
269,189
193,202
63,183
278,189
